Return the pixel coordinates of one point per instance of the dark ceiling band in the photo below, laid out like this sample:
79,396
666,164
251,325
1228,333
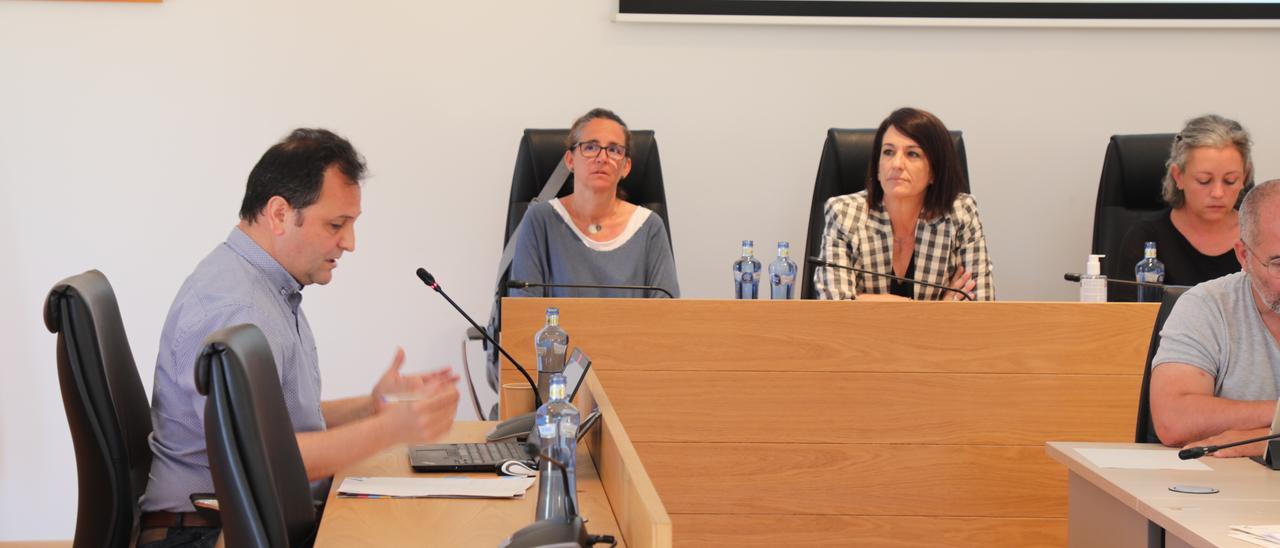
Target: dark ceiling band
955,10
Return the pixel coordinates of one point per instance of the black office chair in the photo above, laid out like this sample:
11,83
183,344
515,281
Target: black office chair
1145,431
258,476
106,407
1128,192
539,153
846,156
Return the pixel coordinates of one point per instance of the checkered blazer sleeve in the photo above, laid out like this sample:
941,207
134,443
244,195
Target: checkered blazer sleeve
839,246
971,247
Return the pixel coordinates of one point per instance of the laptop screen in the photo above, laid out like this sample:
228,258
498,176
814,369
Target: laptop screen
575,370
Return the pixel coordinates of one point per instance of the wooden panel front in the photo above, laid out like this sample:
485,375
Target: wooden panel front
995,337
880,531
878,408
856,479
640,513
911,424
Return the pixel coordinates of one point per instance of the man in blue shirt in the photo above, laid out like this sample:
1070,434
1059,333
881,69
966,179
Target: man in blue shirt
297,219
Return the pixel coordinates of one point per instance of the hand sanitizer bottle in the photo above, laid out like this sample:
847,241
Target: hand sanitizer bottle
1093,285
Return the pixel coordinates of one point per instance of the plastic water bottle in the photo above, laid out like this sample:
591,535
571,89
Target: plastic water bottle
1093,285
550,343
746,273
1149,270
557,427
782,273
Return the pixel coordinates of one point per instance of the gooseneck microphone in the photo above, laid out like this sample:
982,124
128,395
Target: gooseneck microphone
535,452
1197,452
820,262
1074,277
569,531
430,280
521,284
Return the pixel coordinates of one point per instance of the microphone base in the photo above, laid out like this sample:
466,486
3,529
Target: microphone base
1271,456
518,428
550,533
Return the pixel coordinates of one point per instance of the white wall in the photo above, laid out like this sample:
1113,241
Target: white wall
127,132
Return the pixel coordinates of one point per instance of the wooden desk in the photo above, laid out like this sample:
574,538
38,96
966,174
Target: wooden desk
859,423
1112,507
615,493
446,522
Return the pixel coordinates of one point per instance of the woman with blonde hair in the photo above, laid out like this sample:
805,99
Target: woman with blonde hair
1210,167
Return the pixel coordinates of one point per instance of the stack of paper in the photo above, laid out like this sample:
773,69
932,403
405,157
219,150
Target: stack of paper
415,487
1139,459
1262,535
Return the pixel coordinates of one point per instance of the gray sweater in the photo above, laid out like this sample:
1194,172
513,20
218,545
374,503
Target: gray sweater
549,249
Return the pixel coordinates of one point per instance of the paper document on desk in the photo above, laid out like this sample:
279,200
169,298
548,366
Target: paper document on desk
411,487
1139,459
1261,535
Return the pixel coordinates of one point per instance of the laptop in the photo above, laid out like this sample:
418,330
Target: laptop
1268,458
485,457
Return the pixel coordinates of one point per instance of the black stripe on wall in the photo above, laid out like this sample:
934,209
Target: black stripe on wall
954,10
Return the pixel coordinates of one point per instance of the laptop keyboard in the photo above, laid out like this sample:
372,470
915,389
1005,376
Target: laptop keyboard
479,453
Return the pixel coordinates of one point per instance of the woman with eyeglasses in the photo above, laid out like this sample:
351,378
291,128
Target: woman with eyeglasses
1210,167
592,236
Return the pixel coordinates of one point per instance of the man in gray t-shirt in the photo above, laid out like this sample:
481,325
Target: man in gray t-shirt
1214,377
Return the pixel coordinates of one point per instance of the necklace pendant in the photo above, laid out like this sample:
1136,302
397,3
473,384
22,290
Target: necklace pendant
594,228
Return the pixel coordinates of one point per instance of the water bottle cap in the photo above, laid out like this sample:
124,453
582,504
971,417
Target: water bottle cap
556,387
784,245
1149,249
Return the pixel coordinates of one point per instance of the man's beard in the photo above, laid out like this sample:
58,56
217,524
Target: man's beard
1272,301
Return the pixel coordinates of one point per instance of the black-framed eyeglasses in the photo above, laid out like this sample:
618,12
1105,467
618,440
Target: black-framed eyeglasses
1273,267
591,149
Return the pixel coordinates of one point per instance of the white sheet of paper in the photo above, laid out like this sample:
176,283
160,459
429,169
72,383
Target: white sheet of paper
1253,540
1261,535
414,487
1139,459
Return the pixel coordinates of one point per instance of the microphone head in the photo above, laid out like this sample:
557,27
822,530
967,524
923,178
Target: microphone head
1194,452
517,284
426,277
1070,277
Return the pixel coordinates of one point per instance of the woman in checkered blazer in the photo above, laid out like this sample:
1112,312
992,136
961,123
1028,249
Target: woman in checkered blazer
912,221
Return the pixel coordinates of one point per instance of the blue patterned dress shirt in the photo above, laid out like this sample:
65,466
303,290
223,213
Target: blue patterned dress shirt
236,283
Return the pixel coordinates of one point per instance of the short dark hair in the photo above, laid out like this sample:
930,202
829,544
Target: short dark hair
944,164
294,170
575,132
1251,209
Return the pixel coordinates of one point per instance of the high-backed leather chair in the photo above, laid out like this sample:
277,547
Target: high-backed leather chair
1145,431
1128,192
846,156
106,407
258,476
